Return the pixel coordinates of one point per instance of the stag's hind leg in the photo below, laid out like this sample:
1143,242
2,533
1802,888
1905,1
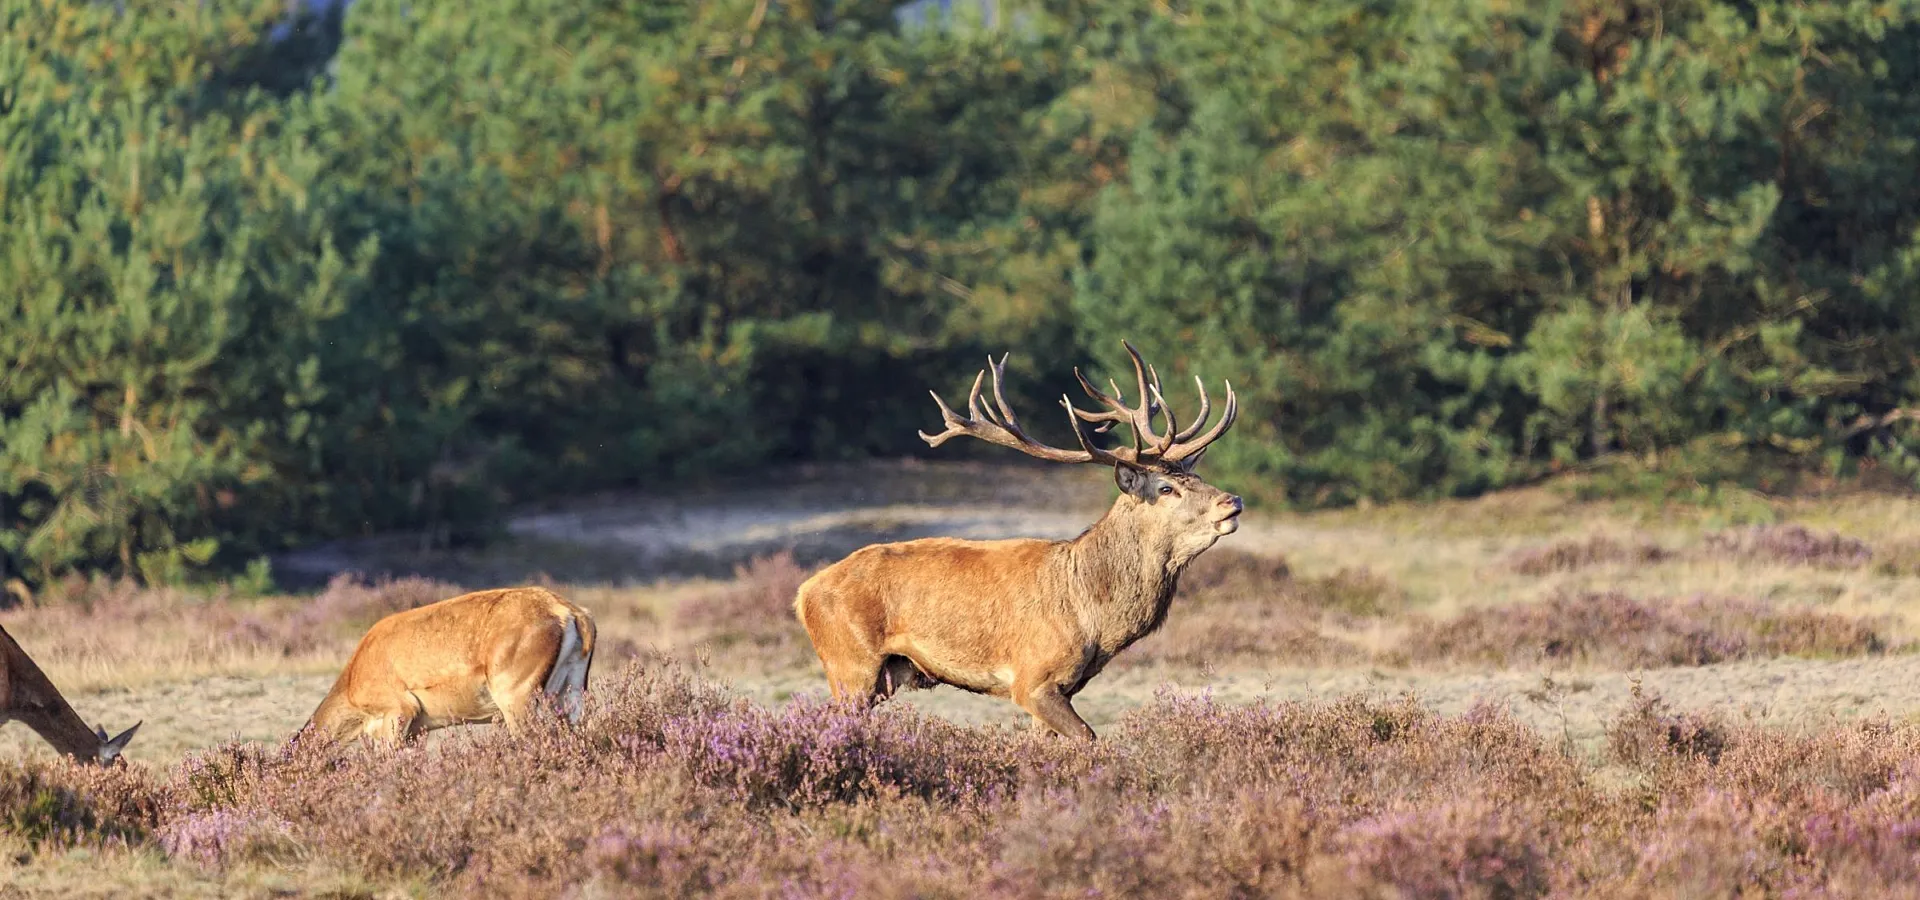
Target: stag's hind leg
852,660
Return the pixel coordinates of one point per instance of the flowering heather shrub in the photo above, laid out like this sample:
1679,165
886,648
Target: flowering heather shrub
1616,630
1466,847
1648,733
1790,545
1872,840
815,752
1099,841
62,804
208,838
754,611
1571,555
670,787
90,611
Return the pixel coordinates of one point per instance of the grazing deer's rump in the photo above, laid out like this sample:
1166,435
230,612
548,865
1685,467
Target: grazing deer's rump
29,697
1029,620
472,659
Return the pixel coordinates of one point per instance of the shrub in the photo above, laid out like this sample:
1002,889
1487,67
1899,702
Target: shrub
1613,629
1243,607
348,605
1789,545
754,611
62,804
1572,555
814,752
671,787
1227,573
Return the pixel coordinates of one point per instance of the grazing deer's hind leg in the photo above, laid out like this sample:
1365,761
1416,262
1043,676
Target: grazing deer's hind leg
519,670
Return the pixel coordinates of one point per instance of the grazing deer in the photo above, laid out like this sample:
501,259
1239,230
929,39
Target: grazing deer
26,695
474,659
1030,620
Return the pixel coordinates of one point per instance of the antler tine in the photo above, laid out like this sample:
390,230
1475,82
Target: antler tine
1117,410
1199,421
973,396
1007,417
1189,452
997,425
1078,419
1147,441
1164,442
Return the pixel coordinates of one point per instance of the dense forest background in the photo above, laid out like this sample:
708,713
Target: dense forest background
270,277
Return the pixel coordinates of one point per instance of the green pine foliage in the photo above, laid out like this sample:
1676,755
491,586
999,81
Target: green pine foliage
1452,245
267,279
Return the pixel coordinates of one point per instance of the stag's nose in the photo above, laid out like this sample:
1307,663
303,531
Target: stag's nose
1232,502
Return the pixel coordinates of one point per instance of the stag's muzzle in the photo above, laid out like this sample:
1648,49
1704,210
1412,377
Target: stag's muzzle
1230,509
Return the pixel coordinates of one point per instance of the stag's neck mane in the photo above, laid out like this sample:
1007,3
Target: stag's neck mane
1122,572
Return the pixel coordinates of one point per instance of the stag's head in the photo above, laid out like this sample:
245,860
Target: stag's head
1155,475
109,750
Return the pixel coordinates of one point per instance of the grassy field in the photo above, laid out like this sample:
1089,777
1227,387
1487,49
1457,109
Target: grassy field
1642,683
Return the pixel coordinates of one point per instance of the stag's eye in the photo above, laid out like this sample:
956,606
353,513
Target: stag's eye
1166,489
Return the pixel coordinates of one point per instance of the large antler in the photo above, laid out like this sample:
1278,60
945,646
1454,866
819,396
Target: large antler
996,424
1173,448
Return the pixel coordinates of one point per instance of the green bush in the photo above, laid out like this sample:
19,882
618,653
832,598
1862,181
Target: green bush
268,281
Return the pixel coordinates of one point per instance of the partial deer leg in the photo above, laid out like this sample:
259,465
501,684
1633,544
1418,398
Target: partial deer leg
520,669
396,726
851,661
1051,709
514,698
855,679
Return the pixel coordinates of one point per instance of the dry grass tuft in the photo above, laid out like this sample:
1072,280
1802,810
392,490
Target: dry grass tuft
1615,630
752,615
349,605
1235,607
1791,545
1573,555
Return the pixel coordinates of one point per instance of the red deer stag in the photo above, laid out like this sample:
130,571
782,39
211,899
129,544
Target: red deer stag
1030,620
474,659
26,695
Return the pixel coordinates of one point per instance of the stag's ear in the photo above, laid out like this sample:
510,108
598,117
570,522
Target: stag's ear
1131,481
110,748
